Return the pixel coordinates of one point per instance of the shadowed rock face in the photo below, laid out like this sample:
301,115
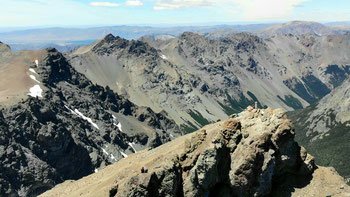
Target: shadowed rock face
252,155
75,129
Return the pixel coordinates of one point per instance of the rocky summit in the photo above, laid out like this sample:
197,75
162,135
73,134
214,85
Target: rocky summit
253,154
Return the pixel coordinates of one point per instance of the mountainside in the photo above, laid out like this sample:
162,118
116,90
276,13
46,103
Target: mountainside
252,155
301,27
56,125
197,80
324,129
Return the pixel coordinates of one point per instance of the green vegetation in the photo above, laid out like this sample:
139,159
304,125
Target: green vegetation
315,86
238,106
338,75
332,150
300,90
228,110
188,127
311,91
199,118
291,101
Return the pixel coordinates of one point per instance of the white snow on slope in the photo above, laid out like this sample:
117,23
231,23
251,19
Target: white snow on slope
35,91
111,156
104,151
37,62
32,70
71,110
131,145
33,77
96,170
123,154
86,118
119,125
163,57
78,113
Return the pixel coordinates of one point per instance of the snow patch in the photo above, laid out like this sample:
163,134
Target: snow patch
112,157
123,154
33,77
86,118
132,146
32,70
37,62
78,113
104,151
35,91
71,110
96,170
119,125
163,57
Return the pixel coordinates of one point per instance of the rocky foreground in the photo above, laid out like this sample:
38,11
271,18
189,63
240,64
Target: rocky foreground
251,155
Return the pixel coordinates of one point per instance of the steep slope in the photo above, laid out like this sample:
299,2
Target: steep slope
299,28
197,80
284,71
252,155
324,128
138,71
65,127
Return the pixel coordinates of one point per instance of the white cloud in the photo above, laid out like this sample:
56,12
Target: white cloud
248,9
267,9
134,3
178,4
104,4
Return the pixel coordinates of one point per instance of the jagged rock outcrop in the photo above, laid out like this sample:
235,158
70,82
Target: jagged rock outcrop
251,155
69,128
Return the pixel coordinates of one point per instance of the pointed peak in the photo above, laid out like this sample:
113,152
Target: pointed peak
109,38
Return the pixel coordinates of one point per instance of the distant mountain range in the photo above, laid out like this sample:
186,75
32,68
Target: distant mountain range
68,38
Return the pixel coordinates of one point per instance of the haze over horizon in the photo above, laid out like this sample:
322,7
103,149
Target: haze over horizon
89,13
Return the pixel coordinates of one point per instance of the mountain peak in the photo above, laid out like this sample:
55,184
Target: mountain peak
109,38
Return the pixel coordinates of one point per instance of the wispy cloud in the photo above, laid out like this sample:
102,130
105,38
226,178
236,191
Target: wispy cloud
248,9
104,4
134,3
179,4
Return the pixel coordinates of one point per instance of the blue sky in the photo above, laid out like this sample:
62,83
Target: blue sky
121,12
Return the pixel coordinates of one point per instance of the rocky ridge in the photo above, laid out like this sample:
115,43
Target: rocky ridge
251,155
71,129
